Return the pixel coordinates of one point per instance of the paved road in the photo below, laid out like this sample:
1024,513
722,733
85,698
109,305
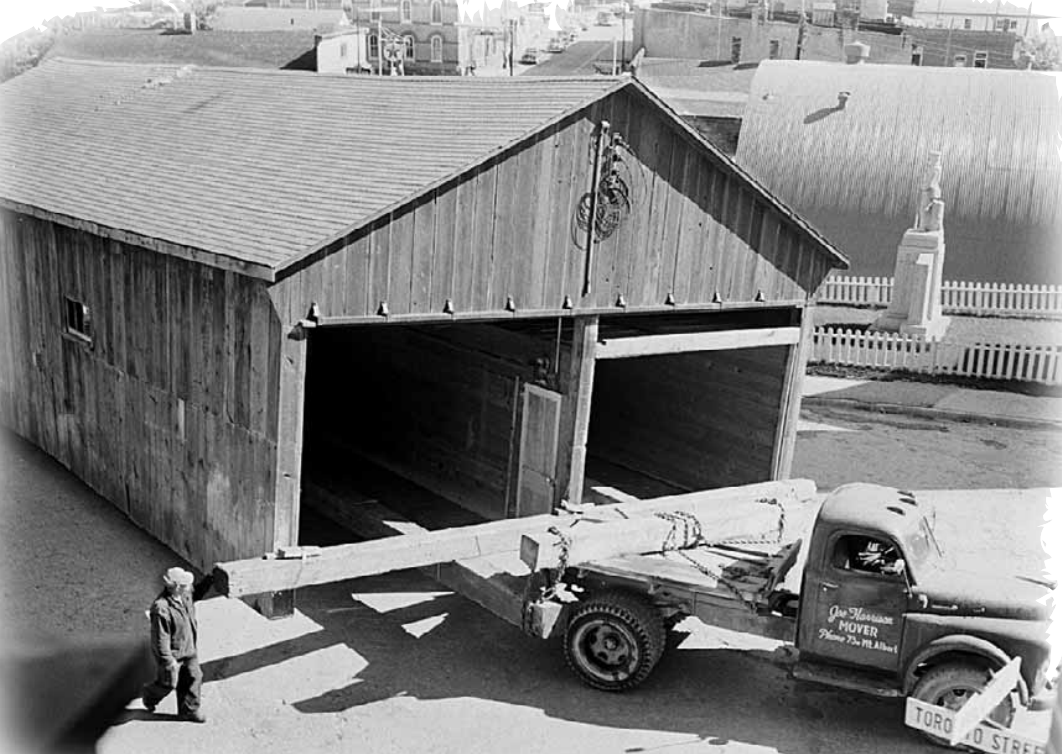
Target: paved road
395,664
577,60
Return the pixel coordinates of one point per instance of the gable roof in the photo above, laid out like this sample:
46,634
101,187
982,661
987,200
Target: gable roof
262,167
855,171
257,49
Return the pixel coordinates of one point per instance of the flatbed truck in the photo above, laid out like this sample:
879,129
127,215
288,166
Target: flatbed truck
875,608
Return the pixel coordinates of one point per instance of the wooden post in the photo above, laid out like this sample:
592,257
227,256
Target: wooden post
789,408
286,496
289,437
575,412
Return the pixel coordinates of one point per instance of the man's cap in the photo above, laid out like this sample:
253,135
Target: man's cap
178,576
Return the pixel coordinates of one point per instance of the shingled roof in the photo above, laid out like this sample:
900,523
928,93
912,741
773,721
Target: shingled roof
259,169
260,166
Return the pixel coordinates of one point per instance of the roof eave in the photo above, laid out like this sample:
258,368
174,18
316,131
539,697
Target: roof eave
160,245
841,262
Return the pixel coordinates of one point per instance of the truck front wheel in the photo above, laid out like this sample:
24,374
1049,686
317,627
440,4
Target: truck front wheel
951,686
614,640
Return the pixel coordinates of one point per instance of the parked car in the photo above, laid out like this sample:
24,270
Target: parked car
531,56
556,45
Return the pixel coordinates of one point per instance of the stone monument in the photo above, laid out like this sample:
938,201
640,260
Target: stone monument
915,305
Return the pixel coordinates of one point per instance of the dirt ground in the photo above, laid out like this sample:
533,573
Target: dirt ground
395,664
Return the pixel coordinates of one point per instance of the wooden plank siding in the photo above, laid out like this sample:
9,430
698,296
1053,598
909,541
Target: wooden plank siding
699,420
506,230
170,411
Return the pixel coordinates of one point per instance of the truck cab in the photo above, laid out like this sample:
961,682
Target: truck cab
881,610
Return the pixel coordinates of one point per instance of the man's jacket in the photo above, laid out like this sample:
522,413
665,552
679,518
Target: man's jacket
173,627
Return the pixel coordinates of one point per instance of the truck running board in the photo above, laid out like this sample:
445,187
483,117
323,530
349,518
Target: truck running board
845,678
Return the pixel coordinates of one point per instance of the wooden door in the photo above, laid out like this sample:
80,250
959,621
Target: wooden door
539,433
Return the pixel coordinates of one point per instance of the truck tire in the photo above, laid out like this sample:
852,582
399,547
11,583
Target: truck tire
614,640
950,685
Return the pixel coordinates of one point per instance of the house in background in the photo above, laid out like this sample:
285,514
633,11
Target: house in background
849,163
345,51
427,30
695,36
978,15
962,48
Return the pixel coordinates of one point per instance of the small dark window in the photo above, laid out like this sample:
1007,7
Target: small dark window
967,23
735,50
772,50
78,319
867,555
980,60
916,55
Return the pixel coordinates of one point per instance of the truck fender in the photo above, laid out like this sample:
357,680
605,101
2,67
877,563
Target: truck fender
960,644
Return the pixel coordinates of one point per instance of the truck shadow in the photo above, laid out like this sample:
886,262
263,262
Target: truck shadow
716,695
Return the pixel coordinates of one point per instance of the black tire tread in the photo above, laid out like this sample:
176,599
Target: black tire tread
642,617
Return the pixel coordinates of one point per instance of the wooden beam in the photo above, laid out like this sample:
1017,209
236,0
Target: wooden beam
494,315
425,548
484,580
719,340
584,541
575,412
792,389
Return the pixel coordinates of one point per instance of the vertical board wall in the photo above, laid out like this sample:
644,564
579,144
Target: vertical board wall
170,412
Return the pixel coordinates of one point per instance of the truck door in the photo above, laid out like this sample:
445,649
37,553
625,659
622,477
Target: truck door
853,602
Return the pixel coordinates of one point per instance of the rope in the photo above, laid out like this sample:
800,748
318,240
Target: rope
686,533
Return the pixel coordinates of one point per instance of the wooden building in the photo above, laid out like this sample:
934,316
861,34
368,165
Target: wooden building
210,279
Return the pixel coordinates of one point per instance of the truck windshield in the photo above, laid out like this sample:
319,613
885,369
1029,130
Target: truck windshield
922,547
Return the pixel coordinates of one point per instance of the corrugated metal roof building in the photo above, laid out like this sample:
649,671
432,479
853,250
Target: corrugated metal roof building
854,170
215,282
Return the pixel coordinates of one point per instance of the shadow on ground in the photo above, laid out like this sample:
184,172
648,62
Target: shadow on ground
718,694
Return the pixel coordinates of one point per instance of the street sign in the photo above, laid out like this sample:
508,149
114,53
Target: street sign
979,705
940,721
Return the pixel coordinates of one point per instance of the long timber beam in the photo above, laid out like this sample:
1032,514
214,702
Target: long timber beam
419,548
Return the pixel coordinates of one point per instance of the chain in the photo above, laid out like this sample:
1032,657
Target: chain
564,542
692,536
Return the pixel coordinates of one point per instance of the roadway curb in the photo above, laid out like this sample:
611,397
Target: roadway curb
932,413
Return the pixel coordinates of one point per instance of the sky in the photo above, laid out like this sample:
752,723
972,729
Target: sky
18,15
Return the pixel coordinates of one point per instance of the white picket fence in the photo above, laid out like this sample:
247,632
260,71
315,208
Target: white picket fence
882,350
957,297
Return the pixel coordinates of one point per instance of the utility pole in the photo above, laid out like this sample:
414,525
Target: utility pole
512,43
801,30
1028,18
947,48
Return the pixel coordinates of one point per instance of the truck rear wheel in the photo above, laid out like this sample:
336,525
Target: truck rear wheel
951,685
614,640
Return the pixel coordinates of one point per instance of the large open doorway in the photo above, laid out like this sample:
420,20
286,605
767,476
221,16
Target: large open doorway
702,419
445,424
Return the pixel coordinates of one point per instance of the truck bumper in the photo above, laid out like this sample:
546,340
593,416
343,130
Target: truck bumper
1046,699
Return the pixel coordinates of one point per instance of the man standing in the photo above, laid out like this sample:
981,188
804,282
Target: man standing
173,643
